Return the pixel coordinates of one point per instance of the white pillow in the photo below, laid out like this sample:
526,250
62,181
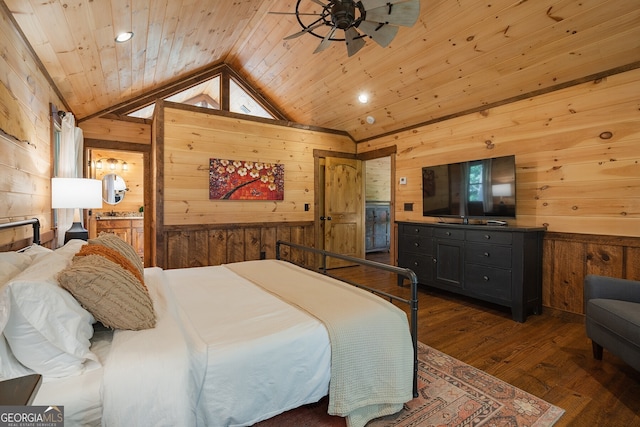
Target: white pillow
47,330
12,263
9,365
36,251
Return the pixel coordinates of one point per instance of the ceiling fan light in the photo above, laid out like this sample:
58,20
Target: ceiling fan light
363,98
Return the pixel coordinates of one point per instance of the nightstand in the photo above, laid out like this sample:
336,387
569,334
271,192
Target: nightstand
19,391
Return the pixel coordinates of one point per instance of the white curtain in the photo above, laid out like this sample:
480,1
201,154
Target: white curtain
464,190
487,192
69,166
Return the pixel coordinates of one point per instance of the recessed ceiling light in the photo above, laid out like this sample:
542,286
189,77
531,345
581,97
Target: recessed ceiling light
123,37
371,120
363,98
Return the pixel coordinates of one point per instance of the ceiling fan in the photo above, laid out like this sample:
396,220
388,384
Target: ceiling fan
377,19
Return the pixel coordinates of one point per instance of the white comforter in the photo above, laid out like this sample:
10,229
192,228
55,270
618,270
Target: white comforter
223,353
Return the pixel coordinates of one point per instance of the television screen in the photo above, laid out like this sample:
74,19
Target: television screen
483,188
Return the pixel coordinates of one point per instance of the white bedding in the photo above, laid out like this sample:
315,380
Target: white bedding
260,356
223,353
79,394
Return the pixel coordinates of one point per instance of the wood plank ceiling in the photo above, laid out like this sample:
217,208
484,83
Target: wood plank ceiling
460,56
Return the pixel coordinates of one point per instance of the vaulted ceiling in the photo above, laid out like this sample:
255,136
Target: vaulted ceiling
460,56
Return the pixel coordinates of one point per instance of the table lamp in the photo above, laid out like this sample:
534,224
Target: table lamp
76,193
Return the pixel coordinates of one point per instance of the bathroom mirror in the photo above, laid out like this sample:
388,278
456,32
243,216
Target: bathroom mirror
113,188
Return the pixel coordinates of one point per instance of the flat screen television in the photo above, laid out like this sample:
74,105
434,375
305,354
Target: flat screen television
484,188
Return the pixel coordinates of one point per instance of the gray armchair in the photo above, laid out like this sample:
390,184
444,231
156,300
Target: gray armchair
612,309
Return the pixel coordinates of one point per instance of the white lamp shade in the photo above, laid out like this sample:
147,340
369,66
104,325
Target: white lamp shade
79,193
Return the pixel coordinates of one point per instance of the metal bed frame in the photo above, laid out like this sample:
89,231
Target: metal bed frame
33,222
401,272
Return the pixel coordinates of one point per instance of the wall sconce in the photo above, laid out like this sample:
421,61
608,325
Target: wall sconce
112,164
76,193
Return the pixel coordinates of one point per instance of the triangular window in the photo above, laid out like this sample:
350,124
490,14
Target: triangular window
209,94
241,102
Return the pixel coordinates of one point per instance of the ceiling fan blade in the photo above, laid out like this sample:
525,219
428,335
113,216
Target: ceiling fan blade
306,30
405,13
372,4
293,13
326,41
380,33
320,3
354,42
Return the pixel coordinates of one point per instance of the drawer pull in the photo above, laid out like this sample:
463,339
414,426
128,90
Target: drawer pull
417,230
416,244
448,233
435,261
485,278
486,236
486,254
415,263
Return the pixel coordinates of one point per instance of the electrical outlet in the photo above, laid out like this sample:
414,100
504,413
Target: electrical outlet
403,180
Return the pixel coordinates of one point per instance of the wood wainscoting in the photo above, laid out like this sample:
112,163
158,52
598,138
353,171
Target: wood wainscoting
215,244
568,258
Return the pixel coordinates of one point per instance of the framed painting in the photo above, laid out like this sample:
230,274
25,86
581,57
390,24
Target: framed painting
245,180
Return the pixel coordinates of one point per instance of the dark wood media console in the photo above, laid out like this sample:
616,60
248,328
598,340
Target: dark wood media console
499,264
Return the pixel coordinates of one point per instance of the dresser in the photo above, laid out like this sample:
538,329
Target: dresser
502,265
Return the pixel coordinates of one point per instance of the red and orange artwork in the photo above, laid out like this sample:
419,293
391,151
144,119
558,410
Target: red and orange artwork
245,180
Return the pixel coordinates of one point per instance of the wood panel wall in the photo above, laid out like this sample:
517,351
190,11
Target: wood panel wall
196,246
577,157
578,174
568,258
25,134
378,176
189,136
117,129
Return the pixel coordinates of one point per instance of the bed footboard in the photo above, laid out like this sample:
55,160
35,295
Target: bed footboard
401,272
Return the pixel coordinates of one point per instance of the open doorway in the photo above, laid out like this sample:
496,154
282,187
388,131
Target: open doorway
378,209
123,195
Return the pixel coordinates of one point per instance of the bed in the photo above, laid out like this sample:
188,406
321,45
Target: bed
227,345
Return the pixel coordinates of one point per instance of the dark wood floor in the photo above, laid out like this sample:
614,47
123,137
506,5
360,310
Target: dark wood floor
549,355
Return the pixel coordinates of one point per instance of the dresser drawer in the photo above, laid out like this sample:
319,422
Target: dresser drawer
422,265
449,233
493,282
415,230
489,236
420,244
490,255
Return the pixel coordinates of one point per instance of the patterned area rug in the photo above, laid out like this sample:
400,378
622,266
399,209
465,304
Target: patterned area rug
451,393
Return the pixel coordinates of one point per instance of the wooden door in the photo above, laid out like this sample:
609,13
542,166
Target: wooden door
343,209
